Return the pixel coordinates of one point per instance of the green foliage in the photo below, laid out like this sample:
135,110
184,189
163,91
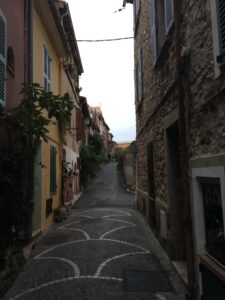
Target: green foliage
39,108
12,173
119,154
89,164
22,128
96,142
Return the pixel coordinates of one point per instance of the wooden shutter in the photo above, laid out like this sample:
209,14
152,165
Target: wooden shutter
221,24
140,75
52,169
3,45
168,6
153,31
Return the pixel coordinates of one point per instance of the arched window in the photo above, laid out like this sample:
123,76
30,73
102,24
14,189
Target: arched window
11,60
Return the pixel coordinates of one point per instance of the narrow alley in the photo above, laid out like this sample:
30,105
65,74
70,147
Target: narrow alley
103,250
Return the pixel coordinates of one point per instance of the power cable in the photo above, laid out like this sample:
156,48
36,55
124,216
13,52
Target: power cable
106,40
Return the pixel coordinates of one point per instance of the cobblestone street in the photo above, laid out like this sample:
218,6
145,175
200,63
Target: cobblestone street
103,250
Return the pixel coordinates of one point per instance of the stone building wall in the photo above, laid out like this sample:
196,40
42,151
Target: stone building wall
159,100
204,100
206,108
205,118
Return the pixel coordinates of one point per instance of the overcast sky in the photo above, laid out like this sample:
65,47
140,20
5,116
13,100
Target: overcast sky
107,80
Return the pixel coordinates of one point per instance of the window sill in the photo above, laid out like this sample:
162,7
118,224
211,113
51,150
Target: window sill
213,265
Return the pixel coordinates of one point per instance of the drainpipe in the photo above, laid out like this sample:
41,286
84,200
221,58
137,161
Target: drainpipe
30,41
30,150
187,217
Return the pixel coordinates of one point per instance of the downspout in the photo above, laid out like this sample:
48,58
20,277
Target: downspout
187,216
30,146
30,41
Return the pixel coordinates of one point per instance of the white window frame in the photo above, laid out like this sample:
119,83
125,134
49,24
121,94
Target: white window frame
3,59
198,207
46,69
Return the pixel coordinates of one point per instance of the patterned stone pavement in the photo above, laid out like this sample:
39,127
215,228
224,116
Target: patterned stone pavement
99,253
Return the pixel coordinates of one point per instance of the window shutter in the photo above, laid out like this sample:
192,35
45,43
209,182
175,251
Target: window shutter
137,7
136,11
136,82
52,169
140,75
221,24
3,37
134,14
47,70
153,31
168,5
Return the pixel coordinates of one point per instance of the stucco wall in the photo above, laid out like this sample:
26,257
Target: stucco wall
15,39
40,38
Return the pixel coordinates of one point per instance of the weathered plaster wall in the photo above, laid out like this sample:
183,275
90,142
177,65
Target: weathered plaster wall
15,39
40,38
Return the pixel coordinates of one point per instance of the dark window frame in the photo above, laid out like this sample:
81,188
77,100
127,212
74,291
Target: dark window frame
213,218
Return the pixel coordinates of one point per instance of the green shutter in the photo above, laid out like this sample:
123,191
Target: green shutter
52,169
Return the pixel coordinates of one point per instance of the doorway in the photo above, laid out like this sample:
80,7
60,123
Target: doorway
174,193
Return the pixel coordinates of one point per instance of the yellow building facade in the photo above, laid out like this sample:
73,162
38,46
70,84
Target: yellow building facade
56,67
46,198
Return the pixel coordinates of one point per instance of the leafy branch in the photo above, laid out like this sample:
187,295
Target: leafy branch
39,108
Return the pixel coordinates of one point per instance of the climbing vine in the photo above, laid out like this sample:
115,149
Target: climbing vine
39,108
21,130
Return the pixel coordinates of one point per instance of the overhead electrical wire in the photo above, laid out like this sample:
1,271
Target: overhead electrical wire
106,40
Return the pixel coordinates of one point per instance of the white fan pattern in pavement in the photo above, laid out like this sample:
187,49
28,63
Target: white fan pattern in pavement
111,215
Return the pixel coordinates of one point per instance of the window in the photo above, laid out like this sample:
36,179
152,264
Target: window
161,22
221,30
213,216
3,42
47,70
52,169
139,78
11,60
